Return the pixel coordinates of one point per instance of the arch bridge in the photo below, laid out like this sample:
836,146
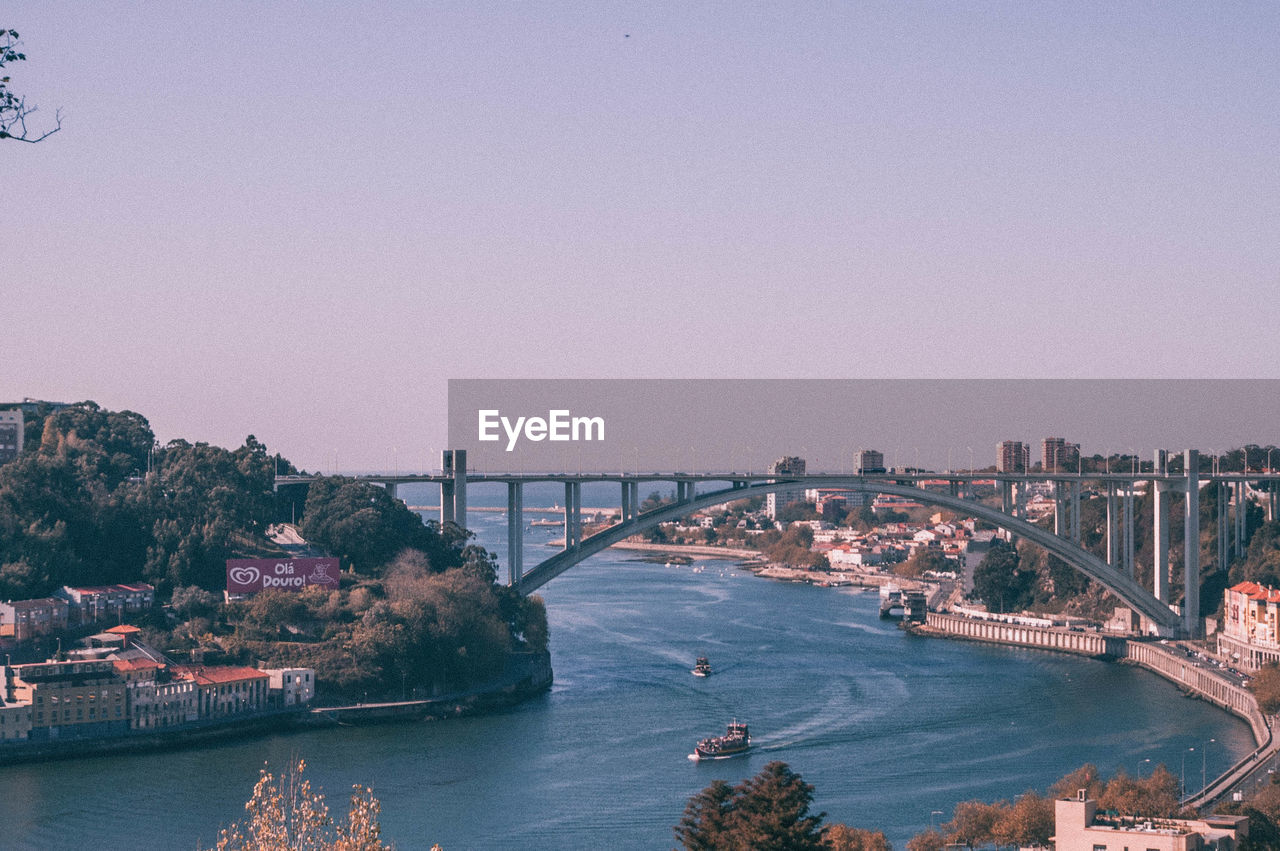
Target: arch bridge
1115,573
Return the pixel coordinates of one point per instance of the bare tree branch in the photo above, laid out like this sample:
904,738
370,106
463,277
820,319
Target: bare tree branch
14,109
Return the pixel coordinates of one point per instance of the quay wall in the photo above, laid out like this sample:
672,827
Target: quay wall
1047,638
1172,664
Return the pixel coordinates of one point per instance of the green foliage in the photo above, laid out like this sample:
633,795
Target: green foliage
363,525
1266,688
1263,810
799,510
1262,558
656,500
413,633
791,547
1001,580
924,559
769,810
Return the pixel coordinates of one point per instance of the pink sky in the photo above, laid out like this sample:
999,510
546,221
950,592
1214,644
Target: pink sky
299,221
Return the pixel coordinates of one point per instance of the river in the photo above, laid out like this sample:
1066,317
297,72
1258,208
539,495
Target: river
888,727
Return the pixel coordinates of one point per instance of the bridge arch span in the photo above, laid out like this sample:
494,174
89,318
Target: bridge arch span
1129,591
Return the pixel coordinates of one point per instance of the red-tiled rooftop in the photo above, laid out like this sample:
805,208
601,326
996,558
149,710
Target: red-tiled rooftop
216,674
1254,591
109,589
124,629
125,665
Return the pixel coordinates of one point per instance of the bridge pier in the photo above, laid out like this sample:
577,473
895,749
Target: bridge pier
1060,508
572,514
1191,546
391,489
627,510
1075,512
515,533
1112,538
1224,528
1242,517
1129,543
1160,535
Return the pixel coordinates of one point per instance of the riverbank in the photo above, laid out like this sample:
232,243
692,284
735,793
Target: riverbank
1167,661
524,675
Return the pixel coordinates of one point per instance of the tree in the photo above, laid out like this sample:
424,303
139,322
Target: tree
930,840
841,837
13,108
1029,822
706,821
974,822
1153,796
1266,687
922,560
286,814
769,810
1001,581
1085,777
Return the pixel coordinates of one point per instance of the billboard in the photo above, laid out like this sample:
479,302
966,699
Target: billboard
251,575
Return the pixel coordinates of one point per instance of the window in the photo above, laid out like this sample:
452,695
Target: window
1097,847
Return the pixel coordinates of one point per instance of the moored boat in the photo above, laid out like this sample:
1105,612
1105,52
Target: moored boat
735,741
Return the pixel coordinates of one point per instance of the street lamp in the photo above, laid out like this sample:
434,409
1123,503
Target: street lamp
1204,762
1184,770
933,822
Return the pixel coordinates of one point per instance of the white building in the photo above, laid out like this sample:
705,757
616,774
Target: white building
1076,827
291,686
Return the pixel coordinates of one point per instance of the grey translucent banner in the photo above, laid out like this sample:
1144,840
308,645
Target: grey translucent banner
715,425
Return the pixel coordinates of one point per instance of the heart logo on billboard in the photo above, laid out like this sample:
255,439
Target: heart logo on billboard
244,575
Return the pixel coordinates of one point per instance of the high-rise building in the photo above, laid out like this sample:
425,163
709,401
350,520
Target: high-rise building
1059,456
789,465
1012,456
10,435
870,461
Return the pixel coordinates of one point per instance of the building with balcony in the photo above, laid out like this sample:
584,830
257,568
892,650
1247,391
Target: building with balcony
1250,631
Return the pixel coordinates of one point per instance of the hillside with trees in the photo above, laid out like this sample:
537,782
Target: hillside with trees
94,500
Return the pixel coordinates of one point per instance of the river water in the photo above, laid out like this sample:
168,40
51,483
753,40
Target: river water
887,727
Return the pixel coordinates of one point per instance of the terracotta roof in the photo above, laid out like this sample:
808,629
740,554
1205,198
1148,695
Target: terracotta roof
1254,591
123,665
124,629
219,674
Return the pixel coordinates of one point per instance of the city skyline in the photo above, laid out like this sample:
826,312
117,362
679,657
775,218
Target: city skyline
301,223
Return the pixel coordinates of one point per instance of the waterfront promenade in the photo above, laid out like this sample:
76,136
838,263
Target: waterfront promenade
1172,661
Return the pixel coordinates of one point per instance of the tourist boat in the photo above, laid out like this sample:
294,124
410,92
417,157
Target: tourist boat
735,741
701,668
